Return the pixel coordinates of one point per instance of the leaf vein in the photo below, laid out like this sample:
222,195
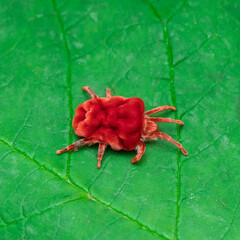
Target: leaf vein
69,83
178,10
123,185
105,228
233,218
195,51
21,129
210,145
200,99
41,212
97,176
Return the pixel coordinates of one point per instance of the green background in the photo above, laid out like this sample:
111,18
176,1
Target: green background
180,53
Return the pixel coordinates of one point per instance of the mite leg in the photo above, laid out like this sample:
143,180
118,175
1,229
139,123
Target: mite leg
90,91
169,139
74,146
108,93
140,151
159,109
168,120
101,150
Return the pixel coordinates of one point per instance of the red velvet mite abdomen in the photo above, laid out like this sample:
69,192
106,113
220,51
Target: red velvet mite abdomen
116,121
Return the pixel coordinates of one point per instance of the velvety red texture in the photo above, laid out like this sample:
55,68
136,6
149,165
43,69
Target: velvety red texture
117,121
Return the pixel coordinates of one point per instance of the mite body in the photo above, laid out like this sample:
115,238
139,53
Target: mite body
119,122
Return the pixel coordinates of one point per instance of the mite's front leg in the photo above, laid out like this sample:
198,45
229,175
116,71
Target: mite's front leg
159,109
108,93
90,91
167,120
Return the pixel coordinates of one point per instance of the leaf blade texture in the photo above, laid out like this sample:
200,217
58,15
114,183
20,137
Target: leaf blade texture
178,53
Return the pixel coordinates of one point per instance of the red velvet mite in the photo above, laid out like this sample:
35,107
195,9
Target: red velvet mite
119,122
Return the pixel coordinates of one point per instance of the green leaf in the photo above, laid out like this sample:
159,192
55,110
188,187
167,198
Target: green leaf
181,53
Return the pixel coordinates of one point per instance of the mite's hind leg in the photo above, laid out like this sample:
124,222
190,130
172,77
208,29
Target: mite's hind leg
74,146
168,120
159,109
108,93
101,150
140,151
169,139
90,91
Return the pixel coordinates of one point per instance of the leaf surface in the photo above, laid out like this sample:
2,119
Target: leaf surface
180,53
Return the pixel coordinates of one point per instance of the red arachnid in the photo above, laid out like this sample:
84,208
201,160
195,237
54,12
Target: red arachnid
119,122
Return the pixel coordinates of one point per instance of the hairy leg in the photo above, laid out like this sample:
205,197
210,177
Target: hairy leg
140,151
169,139
159,109
108,93
90,91
168,120
101,150
75,146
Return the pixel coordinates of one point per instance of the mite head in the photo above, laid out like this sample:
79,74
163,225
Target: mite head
149,127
